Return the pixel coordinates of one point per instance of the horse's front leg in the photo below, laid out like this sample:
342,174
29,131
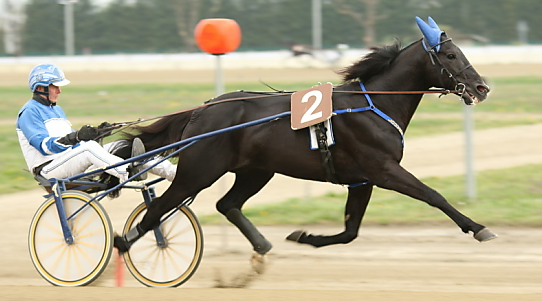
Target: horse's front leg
356,205
395,177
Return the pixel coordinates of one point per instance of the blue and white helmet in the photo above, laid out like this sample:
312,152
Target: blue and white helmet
46,74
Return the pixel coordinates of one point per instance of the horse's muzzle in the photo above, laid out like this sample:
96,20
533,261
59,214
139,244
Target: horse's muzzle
474,96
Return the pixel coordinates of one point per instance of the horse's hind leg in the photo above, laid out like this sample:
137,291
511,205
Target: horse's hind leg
171,198
247,183
185,185
396,178
358,199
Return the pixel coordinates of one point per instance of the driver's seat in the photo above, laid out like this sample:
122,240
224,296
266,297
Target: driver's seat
94,185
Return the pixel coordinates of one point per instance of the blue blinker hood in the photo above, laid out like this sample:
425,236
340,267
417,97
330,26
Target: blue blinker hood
431,33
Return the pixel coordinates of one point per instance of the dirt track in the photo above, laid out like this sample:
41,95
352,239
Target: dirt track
423,263
435,263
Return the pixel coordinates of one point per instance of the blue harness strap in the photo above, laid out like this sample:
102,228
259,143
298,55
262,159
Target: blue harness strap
372,107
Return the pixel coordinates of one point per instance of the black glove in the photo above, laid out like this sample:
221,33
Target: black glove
105,129
86,133
70,139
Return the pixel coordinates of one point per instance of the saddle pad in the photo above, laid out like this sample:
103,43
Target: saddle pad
329,133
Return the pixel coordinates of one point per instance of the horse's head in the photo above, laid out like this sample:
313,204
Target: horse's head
454,70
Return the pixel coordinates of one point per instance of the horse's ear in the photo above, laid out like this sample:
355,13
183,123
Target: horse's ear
431,33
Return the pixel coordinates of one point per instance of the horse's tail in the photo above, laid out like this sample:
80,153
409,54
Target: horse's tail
165,131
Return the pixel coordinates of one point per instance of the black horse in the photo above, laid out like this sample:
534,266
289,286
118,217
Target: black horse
367,153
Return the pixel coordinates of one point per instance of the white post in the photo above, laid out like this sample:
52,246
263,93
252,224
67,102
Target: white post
316,46
219,82
523,30
317,24
219,90
69,36
469,154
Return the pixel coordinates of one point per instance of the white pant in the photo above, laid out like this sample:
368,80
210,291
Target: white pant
90,155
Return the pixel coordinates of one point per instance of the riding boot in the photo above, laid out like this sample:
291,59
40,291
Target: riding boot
138,148
121,148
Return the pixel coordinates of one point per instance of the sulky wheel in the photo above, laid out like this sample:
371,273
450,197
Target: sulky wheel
81,262
171,262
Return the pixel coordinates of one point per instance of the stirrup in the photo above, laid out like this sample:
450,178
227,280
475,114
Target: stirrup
138,148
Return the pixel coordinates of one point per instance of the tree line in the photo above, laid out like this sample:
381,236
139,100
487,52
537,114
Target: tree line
167,26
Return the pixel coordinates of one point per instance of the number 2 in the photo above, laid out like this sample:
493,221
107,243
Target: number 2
311,106
310,114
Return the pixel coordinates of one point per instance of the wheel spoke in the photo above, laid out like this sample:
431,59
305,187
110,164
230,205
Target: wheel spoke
78,224
89,234
56,229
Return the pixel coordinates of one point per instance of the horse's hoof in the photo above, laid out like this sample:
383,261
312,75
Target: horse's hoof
258,263
121,244
484,235
296,235
264,247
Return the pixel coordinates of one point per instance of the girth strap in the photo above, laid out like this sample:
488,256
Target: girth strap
325,154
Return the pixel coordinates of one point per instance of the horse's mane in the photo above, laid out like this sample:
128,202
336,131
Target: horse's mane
376,62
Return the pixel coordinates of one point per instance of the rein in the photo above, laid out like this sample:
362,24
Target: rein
119,126
440,91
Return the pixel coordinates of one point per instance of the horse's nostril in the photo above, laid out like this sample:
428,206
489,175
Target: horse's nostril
482,89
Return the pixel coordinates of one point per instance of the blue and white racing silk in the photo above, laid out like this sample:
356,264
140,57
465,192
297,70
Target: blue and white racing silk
39,126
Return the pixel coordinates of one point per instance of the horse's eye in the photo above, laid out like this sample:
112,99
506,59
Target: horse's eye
451,56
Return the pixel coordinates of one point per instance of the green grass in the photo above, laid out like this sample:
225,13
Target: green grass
12,176
510,196
427,125
513,101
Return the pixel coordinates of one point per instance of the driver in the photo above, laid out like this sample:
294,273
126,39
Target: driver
52,149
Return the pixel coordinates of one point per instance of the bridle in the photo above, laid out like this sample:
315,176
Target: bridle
459,87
